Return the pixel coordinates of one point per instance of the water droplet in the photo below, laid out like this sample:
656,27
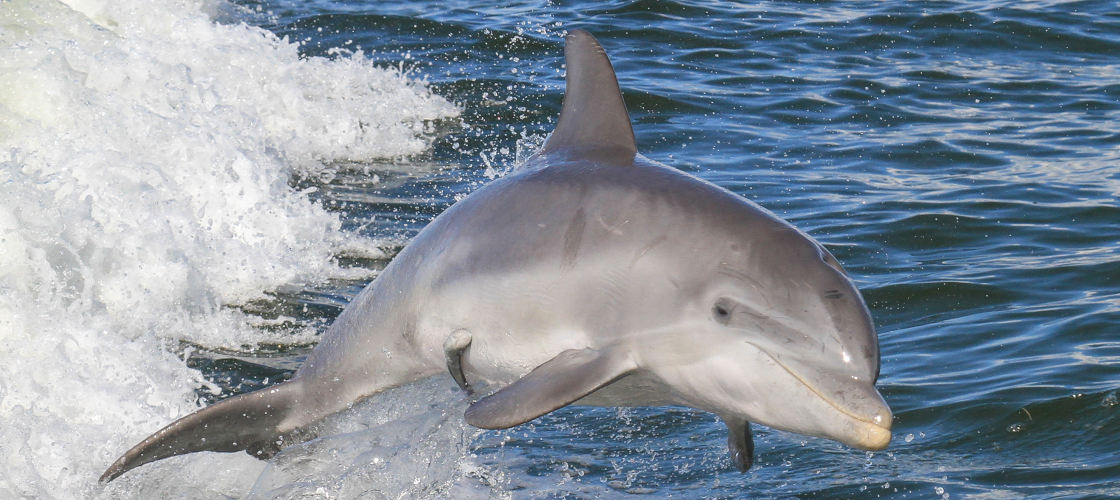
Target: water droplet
1110,400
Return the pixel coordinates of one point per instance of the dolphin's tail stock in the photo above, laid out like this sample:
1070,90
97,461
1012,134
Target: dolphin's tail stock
250,422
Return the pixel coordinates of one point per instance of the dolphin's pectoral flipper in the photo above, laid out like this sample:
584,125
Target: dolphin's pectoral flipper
454,347
558,382
740,443
245,422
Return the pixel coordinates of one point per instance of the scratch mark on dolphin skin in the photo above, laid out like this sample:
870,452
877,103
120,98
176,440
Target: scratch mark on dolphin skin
573,236
727,270
614,229
644,250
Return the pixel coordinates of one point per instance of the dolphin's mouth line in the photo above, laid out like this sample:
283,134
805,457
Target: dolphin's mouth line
827,399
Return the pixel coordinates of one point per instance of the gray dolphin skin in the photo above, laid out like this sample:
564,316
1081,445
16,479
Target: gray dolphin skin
591,276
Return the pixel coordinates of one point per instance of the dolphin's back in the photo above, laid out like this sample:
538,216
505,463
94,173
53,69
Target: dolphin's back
562,210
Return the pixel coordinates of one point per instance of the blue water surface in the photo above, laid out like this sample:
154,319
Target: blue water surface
961,159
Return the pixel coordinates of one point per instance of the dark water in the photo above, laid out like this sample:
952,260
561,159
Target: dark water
962,159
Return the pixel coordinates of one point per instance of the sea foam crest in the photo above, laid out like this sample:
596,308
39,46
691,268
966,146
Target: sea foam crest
145,158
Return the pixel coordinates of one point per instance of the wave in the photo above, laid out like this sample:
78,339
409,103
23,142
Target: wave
146,159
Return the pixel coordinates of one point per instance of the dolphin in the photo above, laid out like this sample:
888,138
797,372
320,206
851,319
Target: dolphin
591,275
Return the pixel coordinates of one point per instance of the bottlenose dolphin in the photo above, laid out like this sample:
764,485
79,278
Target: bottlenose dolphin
593,276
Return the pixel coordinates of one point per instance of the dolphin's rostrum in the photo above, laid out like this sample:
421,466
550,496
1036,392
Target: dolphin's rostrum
594,276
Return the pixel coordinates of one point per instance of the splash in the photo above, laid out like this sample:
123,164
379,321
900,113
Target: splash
145,158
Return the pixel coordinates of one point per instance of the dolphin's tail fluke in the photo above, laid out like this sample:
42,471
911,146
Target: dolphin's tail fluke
251,422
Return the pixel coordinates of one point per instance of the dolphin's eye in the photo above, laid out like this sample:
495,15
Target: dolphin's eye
721,311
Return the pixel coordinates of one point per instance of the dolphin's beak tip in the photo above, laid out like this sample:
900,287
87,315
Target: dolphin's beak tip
878,438
874,437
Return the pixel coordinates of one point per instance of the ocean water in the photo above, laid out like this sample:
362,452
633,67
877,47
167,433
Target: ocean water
191,190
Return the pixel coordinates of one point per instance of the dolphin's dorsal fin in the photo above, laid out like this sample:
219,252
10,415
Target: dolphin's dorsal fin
558,382
594,115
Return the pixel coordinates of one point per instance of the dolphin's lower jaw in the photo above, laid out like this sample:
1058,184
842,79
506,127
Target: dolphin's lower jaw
872,438
866,417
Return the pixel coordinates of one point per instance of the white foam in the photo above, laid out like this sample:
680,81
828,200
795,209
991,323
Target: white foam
145,159
408,442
